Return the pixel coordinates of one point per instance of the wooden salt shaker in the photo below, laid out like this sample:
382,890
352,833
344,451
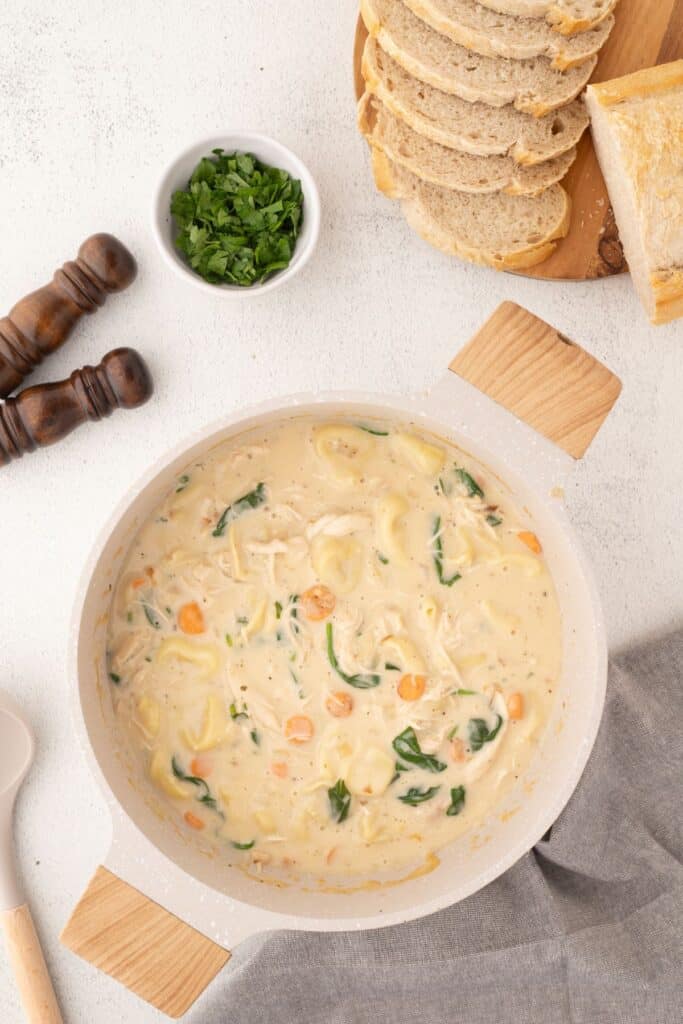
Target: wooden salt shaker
42,321
46,413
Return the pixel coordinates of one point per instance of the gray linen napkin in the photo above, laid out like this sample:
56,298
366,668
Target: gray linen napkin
586,929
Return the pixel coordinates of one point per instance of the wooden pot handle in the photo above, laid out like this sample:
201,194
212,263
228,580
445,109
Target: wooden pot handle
29,967
45,413
42,321
146,948
540,376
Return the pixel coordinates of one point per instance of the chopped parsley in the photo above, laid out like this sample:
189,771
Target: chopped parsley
238,220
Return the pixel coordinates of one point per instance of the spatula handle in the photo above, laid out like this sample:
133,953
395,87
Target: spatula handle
42,321
30,970
46,413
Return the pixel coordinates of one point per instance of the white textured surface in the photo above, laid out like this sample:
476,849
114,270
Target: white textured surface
95,98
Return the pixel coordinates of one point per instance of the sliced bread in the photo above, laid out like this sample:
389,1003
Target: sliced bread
531,85
566,16
501,231
470,127
447,167
637,126
505,35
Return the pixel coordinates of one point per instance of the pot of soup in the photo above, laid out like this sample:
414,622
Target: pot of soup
339,660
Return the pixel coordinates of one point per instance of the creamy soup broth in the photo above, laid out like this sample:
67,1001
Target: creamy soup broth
334,646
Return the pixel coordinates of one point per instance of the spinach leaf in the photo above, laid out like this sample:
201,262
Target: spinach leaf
473,488
238,220
183,481
479,733
235,714
390,667
399,769
370,430
416,796
152,616
437,556
407,747
293,612
255,737
115,677
493,520
278,610
383,559
204,796
340,801
361,681
457,801
251,500
243,846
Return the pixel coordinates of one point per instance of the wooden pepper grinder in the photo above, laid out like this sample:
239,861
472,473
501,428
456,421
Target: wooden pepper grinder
46,413
42,321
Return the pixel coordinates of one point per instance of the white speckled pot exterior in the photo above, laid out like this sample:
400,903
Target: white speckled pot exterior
224,903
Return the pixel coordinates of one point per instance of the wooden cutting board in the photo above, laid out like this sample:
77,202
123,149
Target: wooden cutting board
647,32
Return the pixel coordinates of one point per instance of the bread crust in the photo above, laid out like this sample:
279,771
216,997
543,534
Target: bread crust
521,150
500,97
448,169
519,259
667,291
537,37
556,13
639,84
637,125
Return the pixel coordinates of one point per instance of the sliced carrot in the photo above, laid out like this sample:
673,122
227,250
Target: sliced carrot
139,581
515,706
280,769
191,618
531,541
193,821
318,602
457,750
339,704
411,687
201,766
299,729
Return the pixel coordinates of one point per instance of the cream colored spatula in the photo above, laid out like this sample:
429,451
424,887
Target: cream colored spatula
17,747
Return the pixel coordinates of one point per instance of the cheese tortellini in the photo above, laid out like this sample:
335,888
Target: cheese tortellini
344,449
390,533
337,561
420,454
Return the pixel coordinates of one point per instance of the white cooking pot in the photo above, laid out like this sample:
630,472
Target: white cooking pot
161,914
